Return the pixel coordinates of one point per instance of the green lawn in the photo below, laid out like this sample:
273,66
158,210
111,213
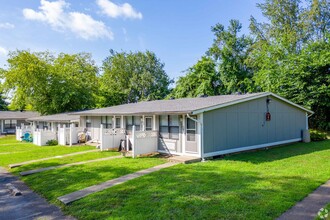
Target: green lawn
54,183
66,160
255,185
12,151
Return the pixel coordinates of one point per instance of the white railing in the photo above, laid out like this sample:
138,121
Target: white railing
68,135
20,131
144,142
40,137
63,135
111,138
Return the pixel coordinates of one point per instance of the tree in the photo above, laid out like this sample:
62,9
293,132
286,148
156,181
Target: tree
223,70
230,51
200,79
290,53
310,71
131,77
51,84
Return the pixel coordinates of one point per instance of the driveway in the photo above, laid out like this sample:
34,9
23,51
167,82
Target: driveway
27,206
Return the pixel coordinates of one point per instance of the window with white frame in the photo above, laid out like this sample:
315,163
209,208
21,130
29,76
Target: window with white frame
106,121
10,124
118,122
148,123
169,126
191,130
133,120
88,122
44,125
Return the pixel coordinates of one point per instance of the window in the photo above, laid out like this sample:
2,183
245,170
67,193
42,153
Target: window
10,124
191,130
169,126
44,125
148,123
106,121
133,120
88,123
118,122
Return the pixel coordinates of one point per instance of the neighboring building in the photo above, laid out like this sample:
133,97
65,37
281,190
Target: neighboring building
10,119
206,126
51,122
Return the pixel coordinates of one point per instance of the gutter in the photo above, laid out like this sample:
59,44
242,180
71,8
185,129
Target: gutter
202,140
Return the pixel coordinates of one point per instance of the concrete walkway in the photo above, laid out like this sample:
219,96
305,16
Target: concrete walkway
66,199
308,208
48,158
29,172
27,206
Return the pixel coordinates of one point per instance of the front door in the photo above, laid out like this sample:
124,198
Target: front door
191,137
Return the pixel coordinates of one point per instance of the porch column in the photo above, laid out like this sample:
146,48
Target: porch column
133,141
122,121
154,126
143,123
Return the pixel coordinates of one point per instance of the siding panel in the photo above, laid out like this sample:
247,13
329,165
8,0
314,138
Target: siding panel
245,124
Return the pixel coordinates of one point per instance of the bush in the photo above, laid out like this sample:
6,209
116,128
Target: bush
318,135
52,142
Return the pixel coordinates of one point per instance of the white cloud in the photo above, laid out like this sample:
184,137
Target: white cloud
112,10
55,14
3,51
6,25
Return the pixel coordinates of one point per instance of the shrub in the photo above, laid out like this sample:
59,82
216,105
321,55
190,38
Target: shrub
318,135
52,142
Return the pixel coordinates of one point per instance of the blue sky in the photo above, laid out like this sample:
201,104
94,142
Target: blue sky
178,31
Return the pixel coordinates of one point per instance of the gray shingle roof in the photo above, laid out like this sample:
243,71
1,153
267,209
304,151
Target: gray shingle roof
185,105
63,117
17,114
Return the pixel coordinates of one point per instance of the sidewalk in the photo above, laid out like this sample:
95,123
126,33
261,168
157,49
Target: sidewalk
27,206
308,208
71,197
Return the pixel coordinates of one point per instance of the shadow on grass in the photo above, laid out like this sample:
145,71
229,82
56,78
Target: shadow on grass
280,152
178,193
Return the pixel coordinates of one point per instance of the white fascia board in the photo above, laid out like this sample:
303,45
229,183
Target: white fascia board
249,99
230,103
291,103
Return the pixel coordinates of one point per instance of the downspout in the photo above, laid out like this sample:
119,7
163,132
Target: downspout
307,116
202,131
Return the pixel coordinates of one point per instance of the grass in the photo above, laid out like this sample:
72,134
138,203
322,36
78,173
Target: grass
66,160
12,151
54,183
254,185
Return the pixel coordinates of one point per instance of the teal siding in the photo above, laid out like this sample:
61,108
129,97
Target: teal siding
245,125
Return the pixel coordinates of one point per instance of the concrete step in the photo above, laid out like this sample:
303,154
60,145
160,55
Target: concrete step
184,159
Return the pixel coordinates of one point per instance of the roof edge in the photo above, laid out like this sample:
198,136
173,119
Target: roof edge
249,99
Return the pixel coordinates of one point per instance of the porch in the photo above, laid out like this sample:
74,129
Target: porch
144,134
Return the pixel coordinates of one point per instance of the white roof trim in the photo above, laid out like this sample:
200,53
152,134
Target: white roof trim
248,99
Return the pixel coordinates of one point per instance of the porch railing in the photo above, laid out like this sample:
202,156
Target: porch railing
111,138
144,142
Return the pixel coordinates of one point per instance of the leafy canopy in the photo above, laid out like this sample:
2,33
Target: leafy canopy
131,77
51,84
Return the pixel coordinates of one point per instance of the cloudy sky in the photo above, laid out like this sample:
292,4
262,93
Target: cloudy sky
178,31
